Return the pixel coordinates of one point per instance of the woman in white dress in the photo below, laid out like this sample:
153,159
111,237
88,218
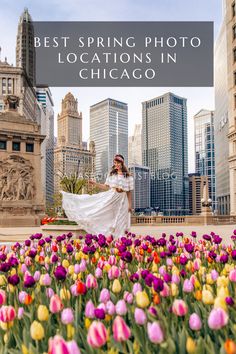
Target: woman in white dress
107,212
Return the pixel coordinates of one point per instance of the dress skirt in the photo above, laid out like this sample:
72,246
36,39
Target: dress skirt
101,213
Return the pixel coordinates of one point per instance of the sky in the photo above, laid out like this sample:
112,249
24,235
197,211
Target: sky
108,10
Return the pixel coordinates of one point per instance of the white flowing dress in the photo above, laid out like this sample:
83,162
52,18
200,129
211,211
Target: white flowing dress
101,213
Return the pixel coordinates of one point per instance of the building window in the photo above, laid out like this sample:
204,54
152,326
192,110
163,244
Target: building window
15,146
3,145
233,9
29,147
4,86
234,31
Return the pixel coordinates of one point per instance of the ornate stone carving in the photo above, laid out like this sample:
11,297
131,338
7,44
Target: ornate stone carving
16,179
11,102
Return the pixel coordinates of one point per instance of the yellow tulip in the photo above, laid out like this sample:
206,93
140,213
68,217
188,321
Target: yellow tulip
209,279
65,263
190,345
36,258
63,250
74,276
36,331
13,271
47,260
207,297
174,289
43,313
87,323
5,338
222,292
220,302
64,294
70,331
142,299
154,268
3,280
106,267
6,325
222,281
77,256
116,287
71,269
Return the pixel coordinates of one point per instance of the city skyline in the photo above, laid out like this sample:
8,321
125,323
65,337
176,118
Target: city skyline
198,98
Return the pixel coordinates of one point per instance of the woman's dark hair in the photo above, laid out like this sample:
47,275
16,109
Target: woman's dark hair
124,168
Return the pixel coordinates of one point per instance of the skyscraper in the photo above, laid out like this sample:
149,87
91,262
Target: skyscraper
230,57
44,97
141,191
221,123
69,155
25,51
164,150
109,131
135,148
205,149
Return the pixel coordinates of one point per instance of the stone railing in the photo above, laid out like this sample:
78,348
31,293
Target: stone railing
184,220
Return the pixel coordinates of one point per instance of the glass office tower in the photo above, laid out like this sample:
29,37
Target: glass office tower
109,131
205,149
164,151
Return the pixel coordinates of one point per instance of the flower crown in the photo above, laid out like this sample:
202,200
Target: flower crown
118,158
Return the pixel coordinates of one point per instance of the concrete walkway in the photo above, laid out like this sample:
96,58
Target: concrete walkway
225,231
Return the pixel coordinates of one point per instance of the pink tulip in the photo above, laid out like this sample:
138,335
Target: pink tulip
196,264
110,308
162,270
169,262
140,316
195,322
37,275
113,272
73,347
91,282
46,279
128,297
104,295
175,279
121,331
56,304
58,345
166,291
89,309
214,274
155,333
112,260
67,316
49,292
121,308
73,290
136,287
2,297
83,265
98,273
77,268
23,268
21,296
218,318
7,313
97,334
20,313
188,286
232,275
179,307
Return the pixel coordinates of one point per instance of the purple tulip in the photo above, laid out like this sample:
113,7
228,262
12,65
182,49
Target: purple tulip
29,281
13,279
99,313
60,273
229,301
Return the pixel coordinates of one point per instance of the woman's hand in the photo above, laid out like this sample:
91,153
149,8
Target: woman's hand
129,209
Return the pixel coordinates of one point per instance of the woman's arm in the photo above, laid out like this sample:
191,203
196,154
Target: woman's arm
129,195
99,185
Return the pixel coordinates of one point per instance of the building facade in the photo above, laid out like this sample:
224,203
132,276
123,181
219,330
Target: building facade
196,184
69,155
205,149
221,122
231,65
109,131
135,146
164,151
141,191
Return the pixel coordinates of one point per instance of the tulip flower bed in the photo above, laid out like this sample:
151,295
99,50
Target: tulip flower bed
136,294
